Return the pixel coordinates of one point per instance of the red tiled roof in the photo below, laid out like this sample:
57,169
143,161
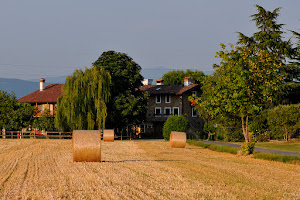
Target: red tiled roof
49,95
167,89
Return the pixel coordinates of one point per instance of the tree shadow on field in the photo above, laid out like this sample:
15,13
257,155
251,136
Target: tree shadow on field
122,161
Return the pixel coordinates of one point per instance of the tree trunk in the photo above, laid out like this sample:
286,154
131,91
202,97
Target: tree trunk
245,128
286,133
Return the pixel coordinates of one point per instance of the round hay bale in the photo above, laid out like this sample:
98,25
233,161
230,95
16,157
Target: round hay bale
108,135
86,146
177,139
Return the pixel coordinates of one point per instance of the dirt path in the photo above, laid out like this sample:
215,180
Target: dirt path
257,149
43,169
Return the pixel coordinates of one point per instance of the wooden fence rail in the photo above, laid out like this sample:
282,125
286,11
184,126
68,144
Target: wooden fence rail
29,135
49,135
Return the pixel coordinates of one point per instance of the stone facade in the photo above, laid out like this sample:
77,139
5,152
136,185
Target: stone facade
165,101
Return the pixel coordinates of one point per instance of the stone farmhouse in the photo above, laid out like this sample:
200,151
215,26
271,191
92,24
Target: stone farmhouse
164,101
167,100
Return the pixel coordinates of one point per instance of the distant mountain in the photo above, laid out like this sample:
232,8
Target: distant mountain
58,79
24,87
19,87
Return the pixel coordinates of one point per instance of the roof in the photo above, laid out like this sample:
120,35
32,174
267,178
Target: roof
167,89
49,95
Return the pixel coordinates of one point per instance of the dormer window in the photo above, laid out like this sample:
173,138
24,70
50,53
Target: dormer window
158,99
168,98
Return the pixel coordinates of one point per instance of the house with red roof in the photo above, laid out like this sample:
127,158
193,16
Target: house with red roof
44,98
167,100
164,101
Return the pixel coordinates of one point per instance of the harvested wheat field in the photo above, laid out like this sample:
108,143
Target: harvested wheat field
43,169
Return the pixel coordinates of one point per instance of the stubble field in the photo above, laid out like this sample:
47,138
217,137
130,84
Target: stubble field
43,169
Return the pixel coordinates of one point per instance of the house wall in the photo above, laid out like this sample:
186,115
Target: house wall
154,124
41,108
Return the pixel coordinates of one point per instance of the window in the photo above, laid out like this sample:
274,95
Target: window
194,92
157,112
167,111
175,111
194,112
168,98
158,99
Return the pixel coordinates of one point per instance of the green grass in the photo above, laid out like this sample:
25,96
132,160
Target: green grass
277,157
264,156
280,145
219,148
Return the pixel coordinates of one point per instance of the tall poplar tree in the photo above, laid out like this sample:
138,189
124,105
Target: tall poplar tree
83,103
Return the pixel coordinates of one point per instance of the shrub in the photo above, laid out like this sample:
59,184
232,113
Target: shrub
248,147
175,123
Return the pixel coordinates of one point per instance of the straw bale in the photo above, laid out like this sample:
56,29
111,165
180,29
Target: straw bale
86,146
177,139
108,135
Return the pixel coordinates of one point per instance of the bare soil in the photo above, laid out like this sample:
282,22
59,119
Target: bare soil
43,169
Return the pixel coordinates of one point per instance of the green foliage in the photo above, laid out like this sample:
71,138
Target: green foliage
175,123
284,120
177,77
44,122
259,126
248,147
83,103
245,82
14,115
270,38
127,105
278,158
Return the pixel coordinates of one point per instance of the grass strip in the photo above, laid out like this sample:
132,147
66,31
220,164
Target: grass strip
213,147
259,155
277,157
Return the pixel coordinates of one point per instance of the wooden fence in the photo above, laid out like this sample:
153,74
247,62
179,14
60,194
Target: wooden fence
28,135
50,135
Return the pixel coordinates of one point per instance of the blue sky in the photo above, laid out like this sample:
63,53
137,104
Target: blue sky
51,38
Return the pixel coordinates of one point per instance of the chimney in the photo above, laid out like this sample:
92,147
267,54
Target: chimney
159,82
147,81
42,84
187,81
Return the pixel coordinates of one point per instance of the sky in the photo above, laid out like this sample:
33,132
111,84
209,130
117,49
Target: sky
40,38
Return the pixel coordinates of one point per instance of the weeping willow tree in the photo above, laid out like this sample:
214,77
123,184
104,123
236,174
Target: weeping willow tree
83,103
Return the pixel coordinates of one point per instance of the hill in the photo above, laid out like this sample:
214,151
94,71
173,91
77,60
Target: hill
17,86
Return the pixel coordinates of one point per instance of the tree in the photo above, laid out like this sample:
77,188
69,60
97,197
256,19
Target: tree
176,77
14,115
44,122
127,105
83,103
270,38
284,120
246,81
175,123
